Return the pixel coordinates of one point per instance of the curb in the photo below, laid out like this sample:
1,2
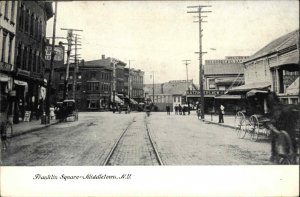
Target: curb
223,125
34,129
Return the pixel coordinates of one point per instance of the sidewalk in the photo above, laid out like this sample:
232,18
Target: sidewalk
214,119
27,127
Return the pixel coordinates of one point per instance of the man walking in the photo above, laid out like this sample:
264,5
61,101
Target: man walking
221,113
168,109
176,109
180,109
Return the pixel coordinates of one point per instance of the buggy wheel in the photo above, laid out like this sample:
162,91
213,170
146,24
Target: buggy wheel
242,129
254,128
9,133
285,161
240,124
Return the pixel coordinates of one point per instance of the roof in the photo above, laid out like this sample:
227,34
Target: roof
103,62
278,44
170,88
245,88
224,69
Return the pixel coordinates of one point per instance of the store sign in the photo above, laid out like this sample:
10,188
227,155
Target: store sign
59,53
206,92
6,67
36,75
23,72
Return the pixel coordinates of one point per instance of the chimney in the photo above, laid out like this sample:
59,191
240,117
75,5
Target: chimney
103,56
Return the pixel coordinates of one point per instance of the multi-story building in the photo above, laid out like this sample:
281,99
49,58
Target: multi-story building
275,68
134,86
8,16
219,76
24,48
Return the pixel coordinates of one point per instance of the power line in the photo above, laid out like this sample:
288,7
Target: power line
199,10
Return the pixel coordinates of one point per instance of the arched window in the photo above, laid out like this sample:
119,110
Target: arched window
39,63
19,56
21,17
34,61
36,28
24,66
27,17
32,25
30,59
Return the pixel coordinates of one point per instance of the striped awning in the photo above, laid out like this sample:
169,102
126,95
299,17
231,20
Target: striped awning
247,87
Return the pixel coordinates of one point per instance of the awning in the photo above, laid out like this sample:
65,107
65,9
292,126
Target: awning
117,99
290,63
239,90
133,101
4,78
20,83
228,97
254,92
229,81
293,89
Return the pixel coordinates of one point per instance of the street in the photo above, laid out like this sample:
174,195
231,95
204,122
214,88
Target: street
180,140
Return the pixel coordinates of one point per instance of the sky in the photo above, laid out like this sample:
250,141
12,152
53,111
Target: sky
158,35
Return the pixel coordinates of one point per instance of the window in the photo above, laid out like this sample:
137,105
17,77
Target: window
11,37
32,25
36,28
40,30
30,59
12,13
62,76
69,87
39,63
6,9
285,100
27,18
34,61
19,55
78,87
3,59
21,17
174,98
294,101
24,58
211,83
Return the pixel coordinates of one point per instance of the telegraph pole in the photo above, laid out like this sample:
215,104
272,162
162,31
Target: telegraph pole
75,67
199,11
70,39
48,92
153,87
187,62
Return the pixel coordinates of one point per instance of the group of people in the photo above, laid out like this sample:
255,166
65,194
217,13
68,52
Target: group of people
181,110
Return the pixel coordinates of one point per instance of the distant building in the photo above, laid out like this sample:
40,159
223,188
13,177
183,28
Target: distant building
219,76
170,93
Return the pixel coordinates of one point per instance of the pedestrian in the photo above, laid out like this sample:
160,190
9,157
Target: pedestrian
180,109
183,110
176,109
189,109
221,113
52,114
168,109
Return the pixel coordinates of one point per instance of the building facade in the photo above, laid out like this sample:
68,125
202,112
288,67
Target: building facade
25,50
8,19
219,76
171,93
277,64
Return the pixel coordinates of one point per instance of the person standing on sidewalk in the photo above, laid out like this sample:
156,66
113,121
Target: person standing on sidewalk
221,113
168,109
180,109
176,109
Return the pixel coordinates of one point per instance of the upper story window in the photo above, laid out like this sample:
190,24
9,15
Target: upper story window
12,12
36,28
21,16
211,83
27,17
32,25
3,58
6,9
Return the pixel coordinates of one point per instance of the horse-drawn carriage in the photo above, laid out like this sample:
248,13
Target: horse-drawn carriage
68,110
265,117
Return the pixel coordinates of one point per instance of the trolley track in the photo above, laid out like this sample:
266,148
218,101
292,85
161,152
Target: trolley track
113,151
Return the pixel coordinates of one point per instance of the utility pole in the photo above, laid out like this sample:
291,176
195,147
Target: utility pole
75,67
199,11
48,92
187,62
114,62
153,87
70,39
129,83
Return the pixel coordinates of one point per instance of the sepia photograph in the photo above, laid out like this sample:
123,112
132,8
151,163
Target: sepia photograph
155,98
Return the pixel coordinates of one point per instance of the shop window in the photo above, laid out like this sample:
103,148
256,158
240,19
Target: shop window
294,101
285,100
